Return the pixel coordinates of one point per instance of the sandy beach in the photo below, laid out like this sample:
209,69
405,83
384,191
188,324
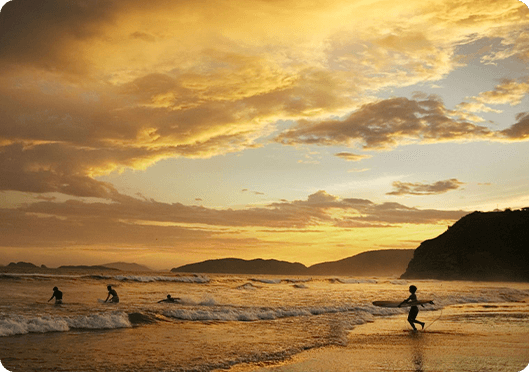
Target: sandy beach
486,339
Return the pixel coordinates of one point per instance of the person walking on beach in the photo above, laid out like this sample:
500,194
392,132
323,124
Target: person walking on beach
57,294
170,299
113,293
414,310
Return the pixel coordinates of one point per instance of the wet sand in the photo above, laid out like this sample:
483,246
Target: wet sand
459,341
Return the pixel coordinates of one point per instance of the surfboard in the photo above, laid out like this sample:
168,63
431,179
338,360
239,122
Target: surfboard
103,301
396,303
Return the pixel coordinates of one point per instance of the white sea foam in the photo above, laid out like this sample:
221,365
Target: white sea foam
359,281
18,324
297,280
37,275
251,314
149,279
134,278
267,281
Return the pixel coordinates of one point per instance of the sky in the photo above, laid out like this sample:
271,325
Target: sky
170,132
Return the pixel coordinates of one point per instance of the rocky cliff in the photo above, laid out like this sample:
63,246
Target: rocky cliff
480,246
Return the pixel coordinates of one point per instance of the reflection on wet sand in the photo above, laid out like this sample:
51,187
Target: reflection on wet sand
417,356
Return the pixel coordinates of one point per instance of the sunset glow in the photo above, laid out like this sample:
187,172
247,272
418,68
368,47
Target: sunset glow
170,132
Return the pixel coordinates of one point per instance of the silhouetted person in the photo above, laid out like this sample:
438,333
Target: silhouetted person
169,299
57,294
113,293
414,310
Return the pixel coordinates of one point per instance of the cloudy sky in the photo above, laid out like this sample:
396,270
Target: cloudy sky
167,132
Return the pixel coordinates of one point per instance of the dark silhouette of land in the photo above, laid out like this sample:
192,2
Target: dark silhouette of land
111,267
125,266
240,266
86,267
387,262
483,246
492,246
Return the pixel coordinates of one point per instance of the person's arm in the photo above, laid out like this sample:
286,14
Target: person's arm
107,297
405,301
53,295
161,301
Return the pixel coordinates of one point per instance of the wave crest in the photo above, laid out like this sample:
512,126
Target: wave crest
18,325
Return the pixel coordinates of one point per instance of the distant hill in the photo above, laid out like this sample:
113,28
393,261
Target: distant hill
240,266
125,266
387,262
21,265
85,267
374,263
480,246
30,267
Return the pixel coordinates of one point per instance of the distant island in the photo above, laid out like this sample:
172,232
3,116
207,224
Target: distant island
240,266
114,266
125,266
86,267
483,246
388,262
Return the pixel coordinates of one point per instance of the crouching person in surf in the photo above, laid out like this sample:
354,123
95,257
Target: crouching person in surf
414,310
112,292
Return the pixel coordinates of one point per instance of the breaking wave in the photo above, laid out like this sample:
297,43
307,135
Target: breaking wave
254,314
18,324
124,278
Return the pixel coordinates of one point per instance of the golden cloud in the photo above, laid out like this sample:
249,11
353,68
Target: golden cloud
398,121
91,89
352,157
417,188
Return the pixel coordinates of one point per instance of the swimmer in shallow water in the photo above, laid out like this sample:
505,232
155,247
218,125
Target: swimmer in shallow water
57,294
170,299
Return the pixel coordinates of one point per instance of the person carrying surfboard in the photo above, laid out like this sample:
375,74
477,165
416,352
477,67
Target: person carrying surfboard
414,310
113,293
57,294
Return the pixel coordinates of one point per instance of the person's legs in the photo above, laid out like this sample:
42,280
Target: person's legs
412,315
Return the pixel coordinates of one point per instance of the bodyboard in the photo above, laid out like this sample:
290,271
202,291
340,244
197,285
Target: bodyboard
396,303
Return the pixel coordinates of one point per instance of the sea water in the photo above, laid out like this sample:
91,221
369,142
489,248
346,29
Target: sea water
220,322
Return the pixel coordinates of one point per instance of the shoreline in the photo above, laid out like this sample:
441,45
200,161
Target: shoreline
484,341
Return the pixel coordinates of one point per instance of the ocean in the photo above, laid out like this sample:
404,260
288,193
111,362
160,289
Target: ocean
225,321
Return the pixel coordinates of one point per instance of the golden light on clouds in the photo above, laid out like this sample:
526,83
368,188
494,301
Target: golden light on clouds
97,94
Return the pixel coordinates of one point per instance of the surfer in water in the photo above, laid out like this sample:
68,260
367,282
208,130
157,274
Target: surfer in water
170,299
57,294
414,310
113,293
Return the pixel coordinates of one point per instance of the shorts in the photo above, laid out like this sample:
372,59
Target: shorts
413,313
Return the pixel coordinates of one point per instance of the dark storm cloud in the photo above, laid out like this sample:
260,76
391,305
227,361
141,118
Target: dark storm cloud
35,32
